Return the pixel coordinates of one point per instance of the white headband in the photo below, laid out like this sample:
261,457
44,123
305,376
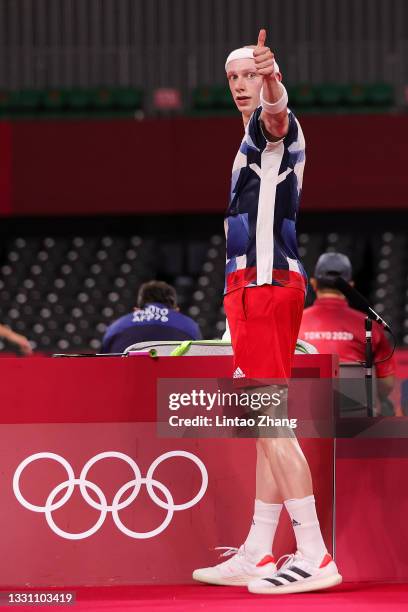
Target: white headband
243,53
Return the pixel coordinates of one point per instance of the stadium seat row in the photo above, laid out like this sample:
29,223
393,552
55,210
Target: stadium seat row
205,99
74,100
377,96
65,293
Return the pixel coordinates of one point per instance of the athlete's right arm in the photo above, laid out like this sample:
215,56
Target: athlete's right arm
275,124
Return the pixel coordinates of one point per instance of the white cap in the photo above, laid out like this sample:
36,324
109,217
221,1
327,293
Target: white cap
243,53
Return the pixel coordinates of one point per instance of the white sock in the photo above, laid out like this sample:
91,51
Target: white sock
260,538
306,525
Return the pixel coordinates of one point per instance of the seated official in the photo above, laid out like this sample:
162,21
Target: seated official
332,326
156,317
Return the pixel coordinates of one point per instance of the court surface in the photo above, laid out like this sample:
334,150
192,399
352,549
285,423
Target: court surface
364,597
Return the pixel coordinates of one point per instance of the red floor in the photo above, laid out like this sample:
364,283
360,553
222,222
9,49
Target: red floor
362,597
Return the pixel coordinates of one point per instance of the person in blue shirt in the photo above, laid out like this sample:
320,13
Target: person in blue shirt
156,317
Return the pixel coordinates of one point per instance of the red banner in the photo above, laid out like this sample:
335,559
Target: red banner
77,409
110,503
91,494
184,165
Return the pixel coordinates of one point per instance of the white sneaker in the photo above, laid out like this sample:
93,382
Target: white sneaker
298,575
238,570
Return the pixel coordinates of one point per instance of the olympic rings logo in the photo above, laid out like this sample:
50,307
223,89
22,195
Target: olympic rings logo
117,505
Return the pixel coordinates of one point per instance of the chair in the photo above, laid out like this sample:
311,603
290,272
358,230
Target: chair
128,98
355,95
303,96
380,95
204,98
329,95
79,99
55,100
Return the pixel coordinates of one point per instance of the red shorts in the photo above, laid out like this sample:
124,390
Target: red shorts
264,323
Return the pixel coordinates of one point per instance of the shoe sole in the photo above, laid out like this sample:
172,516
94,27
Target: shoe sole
219,581
299,587
223,582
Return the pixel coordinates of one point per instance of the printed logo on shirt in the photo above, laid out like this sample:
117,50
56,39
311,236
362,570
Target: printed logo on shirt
295,523
151,313
238,373
329,335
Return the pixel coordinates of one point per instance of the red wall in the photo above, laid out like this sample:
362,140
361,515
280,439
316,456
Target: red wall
183,165
5,168
78,408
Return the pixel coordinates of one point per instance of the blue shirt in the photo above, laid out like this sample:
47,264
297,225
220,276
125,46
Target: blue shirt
154,322
260,222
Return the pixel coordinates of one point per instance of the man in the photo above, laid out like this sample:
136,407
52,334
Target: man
265,285
21,341
156,317
333,327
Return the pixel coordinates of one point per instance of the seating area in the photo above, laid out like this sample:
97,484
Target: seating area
203,100
67,102
62,292
305,97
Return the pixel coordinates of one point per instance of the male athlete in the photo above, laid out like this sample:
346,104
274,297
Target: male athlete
265,285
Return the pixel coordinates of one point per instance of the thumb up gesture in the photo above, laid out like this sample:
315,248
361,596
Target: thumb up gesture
264,58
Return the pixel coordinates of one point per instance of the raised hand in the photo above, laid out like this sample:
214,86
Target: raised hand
264,58
261,38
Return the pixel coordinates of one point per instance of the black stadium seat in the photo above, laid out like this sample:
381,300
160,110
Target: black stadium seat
63,292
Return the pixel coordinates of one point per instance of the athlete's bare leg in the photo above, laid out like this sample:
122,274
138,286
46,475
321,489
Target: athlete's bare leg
291,477
267,489
282,471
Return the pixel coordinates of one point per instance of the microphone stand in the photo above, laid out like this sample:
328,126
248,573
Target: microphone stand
336,281
369,366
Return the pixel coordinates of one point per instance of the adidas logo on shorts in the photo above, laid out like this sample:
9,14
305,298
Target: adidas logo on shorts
238,373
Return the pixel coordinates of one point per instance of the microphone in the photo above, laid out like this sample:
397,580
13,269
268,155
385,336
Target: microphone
336,281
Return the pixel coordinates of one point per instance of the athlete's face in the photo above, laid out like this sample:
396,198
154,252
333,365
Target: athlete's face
245,85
